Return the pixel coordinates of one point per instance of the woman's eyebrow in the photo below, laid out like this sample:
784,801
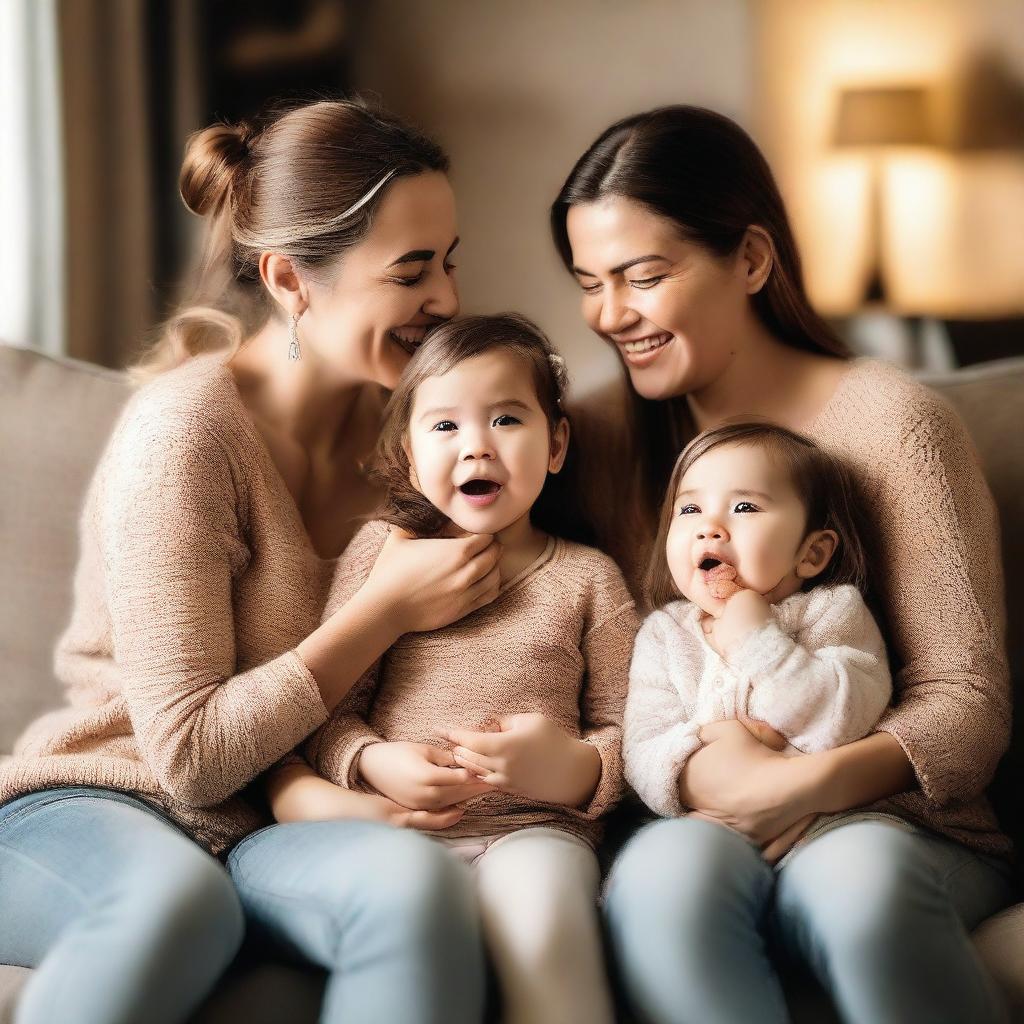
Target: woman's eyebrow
414,256
422,255
650,258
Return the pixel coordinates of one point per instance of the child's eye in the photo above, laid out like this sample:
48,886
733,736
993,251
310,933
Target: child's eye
746,506
449,267
688,510
591,289
444,426
644,283
505,421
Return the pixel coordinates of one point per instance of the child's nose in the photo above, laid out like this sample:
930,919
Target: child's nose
712,531
477,448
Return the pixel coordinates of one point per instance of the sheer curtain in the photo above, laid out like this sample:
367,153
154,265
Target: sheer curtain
32,274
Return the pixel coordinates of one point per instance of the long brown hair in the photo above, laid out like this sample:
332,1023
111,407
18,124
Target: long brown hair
824,486
703,173
442,350
281,183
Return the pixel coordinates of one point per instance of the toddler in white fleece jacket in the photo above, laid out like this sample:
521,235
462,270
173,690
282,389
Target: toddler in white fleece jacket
758,537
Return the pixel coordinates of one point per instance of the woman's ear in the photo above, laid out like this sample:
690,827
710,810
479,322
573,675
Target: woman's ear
815,553
559,447
757,257
284,283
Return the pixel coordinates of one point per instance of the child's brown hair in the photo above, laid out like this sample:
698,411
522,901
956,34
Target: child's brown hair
822,482
442,350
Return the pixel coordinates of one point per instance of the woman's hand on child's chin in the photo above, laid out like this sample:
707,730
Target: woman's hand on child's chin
427,584
738,781
531,756
418,776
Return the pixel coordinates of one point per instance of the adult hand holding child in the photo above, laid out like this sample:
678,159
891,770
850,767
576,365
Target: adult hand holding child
431,583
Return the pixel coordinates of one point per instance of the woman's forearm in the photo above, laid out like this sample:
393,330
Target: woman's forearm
858,773
345,645
292,789
297,793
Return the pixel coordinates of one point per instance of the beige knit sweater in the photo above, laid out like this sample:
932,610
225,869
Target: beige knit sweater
933,547
195,582
557,640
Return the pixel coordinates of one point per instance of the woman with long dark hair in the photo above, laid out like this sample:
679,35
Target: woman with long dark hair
675,230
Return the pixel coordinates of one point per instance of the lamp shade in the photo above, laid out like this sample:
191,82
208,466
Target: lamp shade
891,116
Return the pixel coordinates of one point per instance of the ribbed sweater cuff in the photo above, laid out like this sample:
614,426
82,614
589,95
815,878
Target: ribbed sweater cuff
609,784
308,698
339,761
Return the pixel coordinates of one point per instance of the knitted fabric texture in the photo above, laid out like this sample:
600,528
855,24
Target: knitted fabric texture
196,580
557,640
934,550
816,673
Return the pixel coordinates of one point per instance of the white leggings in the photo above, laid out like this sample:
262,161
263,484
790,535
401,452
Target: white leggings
538,893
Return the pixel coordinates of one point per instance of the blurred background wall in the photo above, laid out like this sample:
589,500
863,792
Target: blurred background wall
895,127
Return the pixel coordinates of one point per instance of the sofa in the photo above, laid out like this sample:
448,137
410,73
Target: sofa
54,417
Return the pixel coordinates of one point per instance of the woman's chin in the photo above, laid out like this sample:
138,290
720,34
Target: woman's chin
656,387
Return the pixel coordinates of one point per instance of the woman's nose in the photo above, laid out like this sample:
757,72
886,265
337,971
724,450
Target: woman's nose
443,298
615,314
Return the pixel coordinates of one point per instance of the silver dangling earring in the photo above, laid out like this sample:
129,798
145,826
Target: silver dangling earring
294,352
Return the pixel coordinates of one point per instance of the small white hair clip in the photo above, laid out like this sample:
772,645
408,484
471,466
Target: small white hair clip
561,375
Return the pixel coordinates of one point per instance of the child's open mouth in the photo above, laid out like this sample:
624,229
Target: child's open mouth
480,493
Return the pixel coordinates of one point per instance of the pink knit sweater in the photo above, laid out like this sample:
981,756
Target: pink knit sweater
195,582
557,640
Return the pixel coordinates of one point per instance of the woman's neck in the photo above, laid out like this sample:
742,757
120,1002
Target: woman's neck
307,399
767,379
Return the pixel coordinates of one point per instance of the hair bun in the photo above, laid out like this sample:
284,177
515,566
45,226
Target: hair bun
212,158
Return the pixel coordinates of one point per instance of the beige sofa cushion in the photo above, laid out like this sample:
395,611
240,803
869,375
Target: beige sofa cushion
54,418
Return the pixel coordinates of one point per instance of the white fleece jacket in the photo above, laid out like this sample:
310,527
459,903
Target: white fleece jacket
817,673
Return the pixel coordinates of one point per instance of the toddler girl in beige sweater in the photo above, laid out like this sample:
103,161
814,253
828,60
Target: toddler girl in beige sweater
524,696
758,536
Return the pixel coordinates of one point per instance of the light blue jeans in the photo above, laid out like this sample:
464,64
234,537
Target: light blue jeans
123,916
390,914
126,919
699,923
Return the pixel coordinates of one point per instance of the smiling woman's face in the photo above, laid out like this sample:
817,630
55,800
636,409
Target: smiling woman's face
672,309
371,314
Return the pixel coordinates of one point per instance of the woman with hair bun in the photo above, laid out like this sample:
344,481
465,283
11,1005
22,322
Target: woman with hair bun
195,659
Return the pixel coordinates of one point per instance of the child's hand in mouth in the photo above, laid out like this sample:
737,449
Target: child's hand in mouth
721,581
720,577
745,610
